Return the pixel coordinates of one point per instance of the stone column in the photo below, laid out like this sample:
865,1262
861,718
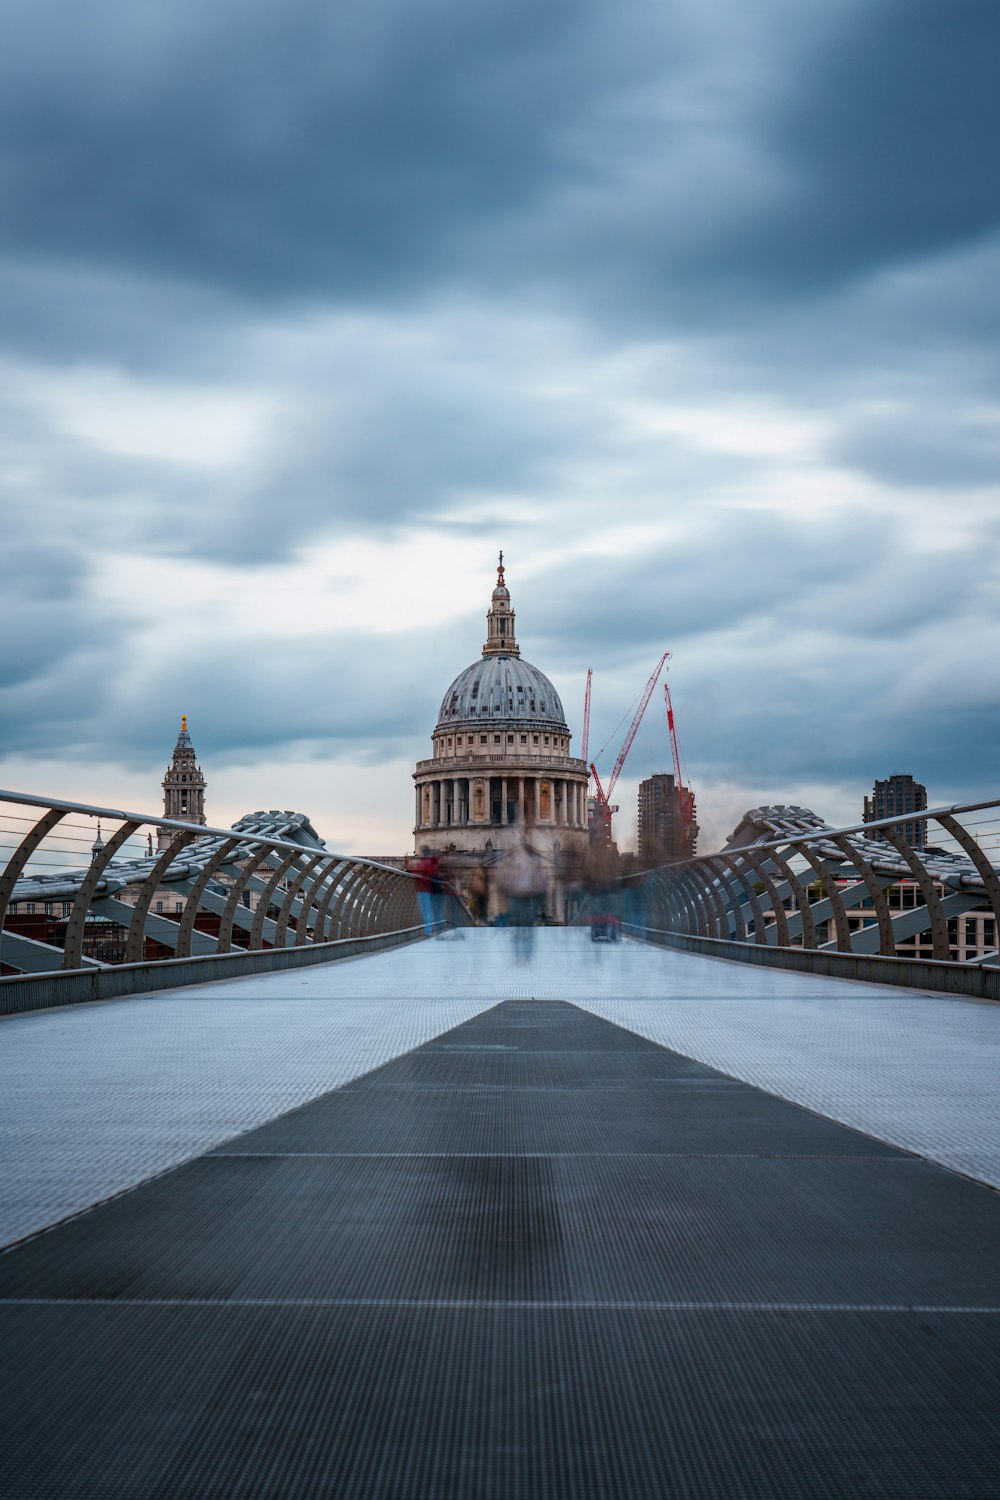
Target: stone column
503,800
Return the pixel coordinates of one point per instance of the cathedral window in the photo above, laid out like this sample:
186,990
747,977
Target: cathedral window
496,739
524,739
534,739
482,739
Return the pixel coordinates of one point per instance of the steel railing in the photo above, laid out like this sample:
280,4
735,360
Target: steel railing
788,881
83,889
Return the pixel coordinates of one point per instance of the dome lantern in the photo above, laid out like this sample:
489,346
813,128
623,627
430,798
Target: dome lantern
500,620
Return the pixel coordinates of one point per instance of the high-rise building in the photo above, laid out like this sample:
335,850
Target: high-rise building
183,787
661,831
897,795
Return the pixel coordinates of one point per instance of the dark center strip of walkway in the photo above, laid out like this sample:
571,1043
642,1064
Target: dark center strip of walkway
539,1256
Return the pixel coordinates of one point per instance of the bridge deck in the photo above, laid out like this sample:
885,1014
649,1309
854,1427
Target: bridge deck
524,1252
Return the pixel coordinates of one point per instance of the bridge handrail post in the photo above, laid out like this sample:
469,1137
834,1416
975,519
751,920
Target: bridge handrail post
310,899
886,936
987,873
940,947
73,951
294,886
135,941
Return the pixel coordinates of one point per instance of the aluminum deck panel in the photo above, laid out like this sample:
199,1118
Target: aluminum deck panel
535,1323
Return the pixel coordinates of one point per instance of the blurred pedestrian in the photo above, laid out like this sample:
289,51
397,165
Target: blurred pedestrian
479,895
523,880
427,870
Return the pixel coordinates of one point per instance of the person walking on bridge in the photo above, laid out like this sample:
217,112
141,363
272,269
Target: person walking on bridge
523,880
427,870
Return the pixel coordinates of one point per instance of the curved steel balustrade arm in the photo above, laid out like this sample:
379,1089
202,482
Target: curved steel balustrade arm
260,857
281,929
73,952
886,937
720,867
260,915
734,861
987,873
941,948
309,900
135,942
828,882
23,853
198,888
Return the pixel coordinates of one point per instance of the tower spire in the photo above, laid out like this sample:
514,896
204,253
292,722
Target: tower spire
183,786
500,639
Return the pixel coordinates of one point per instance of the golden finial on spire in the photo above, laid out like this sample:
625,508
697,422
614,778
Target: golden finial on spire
500,570
184,723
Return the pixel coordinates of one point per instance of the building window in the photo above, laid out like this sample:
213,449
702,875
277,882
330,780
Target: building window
534,739
524,739
30,908
546,739
482,739
496,739
458,740
67,908
48,908
178,906
159,906
510,739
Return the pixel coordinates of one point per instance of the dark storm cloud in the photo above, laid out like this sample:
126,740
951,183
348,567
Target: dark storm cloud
281,150
891,143
676,163
921,449
741,570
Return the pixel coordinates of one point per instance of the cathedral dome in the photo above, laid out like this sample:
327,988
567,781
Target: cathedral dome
502,689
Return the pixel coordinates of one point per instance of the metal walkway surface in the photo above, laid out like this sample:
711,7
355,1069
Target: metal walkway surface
98,1098
502,1228
536,1256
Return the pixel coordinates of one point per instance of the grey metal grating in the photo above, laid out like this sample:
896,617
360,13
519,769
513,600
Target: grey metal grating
656,1282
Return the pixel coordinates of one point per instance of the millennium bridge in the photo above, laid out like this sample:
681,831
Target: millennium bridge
300,1200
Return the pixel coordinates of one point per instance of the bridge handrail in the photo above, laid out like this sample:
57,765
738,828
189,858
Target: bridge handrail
754,893
269,879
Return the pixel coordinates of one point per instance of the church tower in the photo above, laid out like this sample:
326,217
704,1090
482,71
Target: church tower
183,787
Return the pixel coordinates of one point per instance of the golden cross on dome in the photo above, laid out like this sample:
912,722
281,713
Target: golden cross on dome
500,568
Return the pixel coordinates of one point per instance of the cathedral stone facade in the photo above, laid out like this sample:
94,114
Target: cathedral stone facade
501,764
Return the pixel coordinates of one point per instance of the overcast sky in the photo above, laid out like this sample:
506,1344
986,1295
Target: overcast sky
306,310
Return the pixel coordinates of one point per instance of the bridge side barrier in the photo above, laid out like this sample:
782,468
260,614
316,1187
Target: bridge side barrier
265,894
981,981
789,884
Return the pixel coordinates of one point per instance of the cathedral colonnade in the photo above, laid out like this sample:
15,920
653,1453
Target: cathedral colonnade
508,798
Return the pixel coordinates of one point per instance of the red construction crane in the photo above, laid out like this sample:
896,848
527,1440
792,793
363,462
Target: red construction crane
604,793
685,796
585,743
